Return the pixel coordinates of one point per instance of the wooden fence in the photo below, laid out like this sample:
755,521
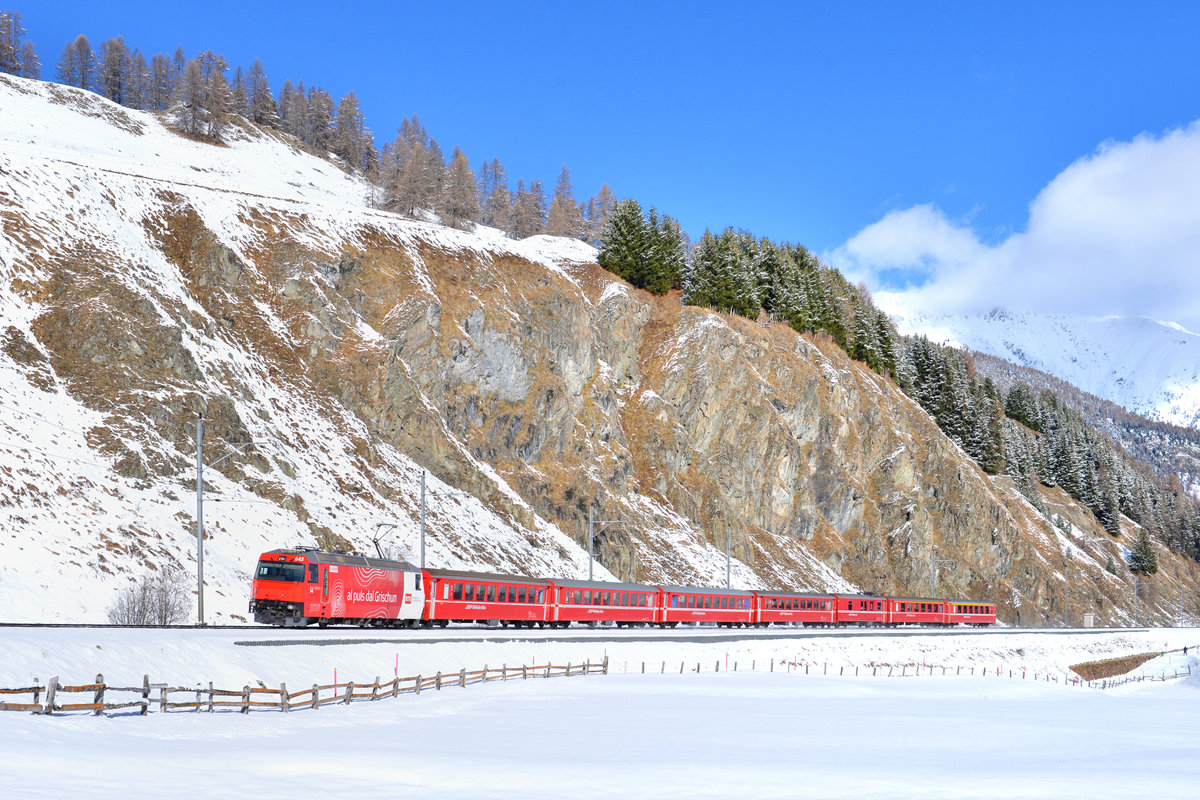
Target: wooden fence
262,697
916,670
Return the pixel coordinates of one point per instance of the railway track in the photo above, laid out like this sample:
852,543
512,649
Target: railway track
336,636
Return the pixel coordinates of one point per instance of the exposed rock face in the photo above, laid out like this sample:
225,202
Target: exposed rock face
526,377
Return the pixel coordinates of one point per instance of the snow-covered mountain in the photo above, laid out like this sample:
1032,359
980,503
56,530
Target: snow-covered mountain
1149,367
146,278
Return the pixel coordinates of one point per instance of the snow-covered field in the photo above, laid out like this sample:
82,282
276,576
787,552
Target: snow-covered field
708,734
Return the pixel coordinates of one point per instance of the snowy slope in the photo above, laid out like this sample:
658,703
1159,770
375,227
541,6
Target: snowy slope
77,171
1149,367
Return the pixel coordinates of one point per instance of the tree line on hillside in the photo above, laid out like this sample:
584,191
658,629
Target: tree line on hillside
737,272
1033,437
202,96
1026,434
1169,449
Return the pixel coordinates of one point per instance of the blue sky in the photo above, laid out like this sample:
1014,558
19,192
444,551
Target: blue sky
806,122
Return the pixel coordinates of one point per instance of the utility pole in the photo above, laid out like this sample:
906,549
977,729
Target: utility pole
592,531
1135,599
933,562
200,518
1067,592
422,518
728,555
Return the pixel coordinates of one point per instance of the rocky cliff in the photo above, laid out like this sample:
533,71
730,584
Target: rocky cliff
147,279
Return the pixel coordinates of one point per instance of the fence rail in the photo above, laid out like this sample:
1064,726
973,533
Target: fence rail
262,697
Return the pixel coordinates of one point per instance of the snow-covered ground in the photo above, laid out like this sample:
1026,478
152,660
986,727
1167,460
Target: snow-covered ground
708,734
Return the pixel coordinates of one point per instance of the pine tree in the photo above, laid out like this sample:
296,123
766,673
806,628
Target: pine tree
263,108
625,245
138,89
529,212
114,68
458,204
77,67
241,94
10,42
350,136
162,82
1142,558
562,218
599,208
31,65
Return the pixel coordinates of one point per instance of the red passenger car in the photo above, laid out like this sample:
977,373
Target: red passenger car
918,611
864,610
700,604
593,601
297,587
794,608
971,612
479,597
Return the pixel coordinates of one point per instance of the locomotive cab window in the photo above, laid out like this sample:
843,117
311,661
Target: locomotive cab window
278,571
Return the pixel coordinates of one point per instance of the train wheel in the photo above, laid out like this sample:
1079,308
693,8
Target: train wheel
321,623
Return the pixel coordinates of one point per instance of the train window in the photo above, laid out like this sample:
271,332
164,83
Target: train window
469,592
502,594
457,591
312,573
607,598
578,597
292,573
491,594
674,601
521,595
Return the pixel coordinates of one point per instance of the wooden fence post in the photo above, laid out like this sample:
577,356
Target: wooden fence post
99,697
284,700
316,701
462,677
246,699
504,673
418,689
349,692
375,689
211,698
439,681
524,672
51,690
145,694
605,666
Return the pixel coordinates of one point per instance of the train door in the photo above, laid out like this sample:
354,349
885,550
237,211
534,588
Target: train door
312,590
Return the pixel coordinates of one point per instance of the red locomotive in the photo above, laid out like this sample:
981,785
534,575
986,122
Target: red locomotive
296,588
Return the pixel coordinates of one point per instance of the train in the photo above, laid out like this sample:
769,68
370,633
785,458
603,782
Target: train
306,586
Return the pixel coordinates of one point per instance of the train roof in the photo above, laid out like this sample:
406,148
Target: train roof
922,600
485,577
703,590
623,587
973,602
825,595
314,556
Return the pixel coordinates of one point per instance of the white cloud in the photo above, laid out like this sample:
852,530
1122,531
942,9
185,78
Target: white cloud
1116,232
